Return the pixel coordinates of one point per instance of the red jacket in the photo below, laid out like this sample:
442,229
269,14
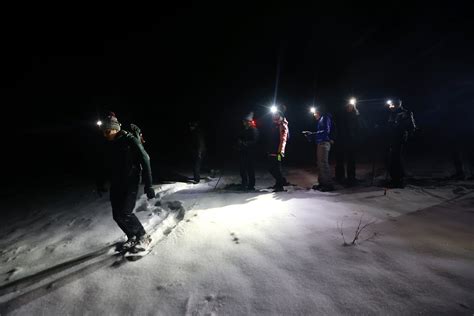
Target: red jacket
280,138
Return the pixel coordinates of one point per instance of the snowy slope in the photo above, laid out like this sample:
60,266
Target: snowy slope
252,253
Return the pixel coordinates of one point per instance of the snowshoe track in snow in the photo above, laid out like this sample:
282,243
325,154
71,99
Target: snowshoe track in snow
60,275
21,291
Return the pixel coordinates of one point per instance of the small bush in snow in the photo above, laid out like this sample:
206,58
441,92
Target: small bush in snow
360,228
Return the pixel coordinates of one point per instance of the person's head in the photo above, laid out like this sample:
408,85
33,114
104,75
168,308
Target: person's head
278,113
319,111
110,133
352,108
394,105
277,117
247,120
193,125
110,127
317,114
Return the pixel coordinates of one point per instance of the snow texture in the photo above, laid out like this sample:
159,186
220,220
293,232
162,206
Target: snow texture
230,253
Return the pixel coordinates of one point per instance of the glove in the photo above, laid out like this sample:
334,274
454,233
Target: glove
150,193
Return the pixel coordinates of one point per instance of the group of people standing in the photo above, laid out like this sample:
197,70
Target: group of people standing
126,161
342,131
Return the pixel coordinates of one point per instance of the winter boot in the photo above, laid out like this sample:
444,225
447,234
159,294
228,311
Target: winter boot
143,243
279,189
131,241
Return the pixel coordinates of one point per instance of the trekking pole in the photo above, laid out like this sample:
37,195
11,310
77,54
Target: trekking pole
218,180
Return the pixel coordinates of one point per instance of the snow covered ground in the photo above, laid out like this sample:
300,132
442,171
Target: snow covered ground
244,253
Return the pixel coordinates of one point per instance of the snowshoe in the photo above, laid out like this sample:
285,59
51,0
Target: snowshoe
142,244
130,243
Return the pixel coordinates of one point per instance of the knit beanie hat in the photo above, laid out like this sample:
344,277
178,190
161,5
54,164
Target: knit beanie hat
248,117
111,122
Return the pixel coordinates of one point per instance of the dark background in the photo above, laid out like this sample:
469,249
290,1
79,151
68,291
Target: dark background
64,67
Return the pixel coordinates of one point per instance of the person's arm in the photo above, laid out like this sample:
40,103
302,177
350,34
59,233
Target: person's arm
323,122
283,138
327,127
144,160
413,124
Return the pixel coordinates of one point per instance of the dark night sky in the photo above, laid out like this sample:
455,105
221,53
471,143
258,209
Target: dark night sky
159,67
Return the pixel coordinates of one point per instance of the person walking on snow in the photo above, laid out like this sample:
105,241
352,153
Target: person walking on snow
278,139
247,146
124,160
324,140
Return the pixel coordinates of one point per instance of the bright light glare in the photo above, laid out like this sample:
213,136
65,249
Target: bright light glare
352,101
389,102
99,123
273,109
312,109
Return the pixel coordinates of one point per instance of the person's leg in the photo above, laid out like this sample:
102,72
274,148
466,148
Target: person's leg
351,164
340,169
251,171
272,166
123,213
244,170
319,162
275,170
197,167
280,181
117,200
323,160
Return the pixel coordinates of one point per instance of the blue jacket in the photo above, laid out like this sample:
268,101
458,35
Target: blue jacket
324,128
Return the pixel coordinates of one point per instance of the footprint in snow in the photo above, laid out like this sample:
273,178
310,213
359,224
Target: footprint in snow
50,249
10,274
235,239
189,220
175,205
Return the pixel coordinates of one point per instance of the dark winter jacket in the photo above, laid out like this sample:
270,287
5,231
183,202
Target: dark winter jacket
324,129
401,123
278,138
348,128
124,160
248,139
198,142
